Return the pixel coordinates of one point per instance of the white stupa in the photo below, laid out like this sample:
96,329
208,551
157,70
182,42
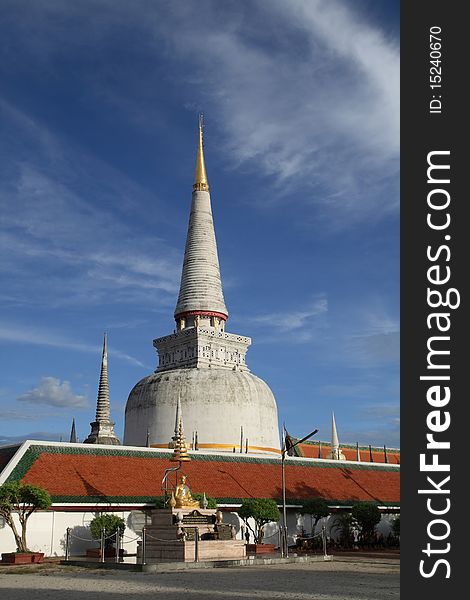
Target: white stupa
102,428
335,452
201,365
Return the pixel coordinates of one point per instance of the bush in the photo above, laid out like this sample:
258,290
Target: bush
111,524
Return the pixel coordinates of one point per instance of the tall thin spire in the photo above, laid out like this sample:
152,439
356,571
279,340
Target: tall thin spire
200,177
73,433
334,434
201,296
335,452
102,405
102,429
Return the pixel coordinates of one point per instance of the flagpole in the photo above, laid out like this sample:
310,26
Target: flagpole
285,545
284,537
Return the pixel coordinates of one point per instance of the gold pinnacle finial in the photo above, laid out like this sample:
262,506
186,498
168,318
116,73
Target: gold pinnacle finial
200,177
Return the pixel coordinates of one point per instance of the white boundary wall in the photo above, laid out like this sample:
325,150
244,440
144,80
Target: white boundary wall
46,530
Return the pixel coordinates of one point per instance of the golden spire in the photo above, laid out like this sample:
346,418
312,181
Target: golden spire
180,451
200,177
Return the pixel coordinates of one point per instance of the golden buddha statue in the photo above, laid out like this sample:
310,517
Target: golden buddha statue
183,496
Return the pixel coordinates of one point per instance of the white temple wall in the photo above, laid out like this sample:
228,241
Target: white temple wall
46,532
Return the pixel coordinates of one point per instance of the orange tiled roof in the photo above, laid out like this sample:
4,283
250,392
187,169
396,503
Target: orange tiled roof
73,474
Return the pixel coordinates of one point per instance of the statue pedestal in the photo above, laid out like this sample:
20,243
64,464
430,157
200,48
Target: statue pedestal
165,539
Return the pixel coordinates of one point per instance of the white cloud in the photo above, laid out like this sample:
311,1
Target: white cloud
294,319
34,435
53,392
17,415
389,411
379,338
76,244
318,108
380,422
305,92
33,335
292,325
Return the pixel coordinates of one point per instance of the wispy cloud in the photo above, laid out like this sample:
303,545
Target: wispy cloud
379,411
295,319
33,435
379,338
53,392
33,335
283,105
292,324
58,220
379,422
316,108
18,415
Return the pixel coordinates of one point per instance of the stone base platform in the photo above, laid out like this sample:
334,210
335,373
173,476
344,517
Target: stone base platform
165,539
186,551
170,566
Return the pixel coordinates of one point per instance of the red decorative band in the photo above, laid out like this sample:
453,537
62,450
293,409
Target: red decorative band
201,313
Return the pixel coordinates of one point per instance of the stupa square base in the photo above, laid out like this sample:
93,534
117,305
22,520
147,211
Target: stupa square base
164,541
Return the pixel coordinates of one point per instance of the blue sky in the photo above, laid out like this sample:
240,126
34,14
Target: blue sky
98,132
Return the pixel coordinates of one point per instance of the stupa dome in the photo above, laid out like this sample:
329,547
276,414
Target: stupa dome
216,403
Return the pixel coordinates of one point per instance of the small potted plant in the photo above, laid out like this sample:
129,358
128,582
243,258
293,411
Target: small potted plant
262,511
111,525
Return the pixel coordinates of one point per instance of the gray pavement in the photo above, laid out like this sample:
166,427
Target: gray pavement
348,579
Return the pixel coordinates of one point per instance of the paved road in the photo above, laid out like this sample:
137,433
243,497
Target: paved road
338,580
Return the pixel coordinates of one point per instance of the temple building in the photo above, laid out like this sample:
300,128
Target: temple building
229,414
84,479
201,365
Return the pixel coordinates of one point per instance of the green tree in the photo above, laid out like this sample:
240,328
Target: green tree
367,515
317,508
22,499
262,511
112,524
